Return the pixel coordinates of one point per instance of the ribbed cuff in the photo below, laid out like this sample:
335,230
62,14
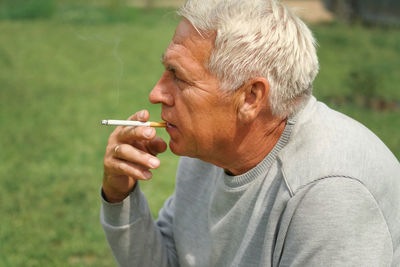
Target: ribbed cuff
125,212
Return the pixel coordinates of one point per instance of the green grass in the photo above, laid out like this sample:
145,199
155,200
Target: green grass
58,81
60,77
372,53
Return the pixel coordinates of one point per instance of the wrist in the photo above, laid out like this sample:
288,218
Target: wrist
116,189
113,197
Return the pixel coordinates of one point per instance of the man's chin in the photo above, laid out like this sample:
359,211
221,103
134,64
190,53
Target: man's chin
175,148
179,149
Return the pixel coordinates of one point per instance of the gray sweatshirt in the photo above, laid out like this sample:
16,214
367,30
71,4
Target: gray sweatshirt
328,194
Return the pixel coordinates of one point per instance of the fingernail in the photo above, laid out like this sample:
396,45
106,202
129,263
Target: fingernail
148,132
154,162
147,174
141,115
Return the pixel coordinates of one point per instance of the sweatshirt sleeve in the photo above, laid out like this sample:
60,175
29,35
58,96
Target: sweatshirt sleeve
336,222
134,237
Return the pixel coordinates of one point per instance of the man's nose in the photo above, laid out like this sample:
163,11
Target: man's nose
160,92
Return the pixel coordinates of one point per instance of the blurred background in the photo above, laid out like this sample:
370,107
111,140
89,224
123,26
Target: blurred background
66,64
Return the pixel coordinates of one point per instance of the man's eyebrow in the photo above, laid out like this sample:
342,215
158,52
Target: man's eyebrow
168,67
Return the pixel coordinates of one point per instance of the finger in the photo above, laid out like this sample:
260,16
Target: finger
134,133
142,115
131,154
118,167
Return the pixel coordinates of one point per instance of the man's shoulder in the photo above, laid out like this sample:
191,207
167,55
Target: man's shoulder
327,143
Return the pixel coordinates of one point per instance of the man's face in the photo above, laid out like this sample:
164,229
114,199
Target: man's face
201,118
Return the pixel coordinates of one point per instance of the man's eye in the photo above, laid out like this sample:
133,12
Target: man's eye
176,77
178,80
172,71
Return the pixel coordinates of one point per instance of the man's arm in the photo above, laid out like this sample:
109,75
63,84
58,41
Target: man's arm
337,222
133,236
135,239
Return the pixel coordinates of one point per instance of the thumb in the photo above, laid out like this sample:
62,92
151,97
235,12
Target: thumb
157,145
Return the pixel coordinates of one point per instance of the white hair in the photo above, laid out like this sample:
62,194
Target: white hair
258,38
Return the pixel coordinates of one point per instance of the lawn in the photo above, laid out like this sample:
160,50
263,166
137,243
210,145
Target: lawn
59,77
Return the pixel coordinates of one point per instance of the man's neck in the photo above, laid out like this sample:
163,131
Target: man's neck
254,143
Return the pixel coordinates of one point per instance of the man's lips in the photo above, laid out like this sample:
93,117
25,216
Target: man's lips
169,125
171,129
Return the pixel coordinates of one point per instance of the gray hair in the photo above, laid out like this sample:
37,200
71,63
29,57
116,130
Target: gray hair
258,38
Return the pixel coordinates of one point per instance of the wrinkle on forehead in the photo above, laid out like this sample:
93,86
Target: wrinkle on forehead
187,36
188,52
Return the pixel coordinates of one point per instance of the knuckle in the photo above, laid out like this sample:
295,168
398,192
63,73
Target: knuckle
133,116
120,134
120,167
136,131
135,172
106,163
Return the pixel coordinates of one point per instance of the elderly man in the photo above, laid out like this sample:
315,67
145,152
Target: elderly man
270,176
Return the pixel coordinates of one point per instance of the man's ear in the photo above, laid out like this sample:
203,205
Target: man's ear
253,98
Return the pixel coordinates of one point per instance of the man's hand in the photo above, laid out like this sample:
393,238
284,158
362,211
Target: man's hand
130,154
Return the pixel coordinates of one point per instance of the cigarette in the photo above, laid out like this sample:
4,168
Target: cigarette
133,123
